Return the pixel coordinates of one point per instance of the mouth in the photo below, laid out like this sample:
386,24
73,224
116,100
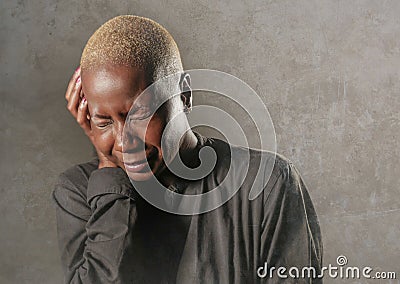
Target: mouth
135,166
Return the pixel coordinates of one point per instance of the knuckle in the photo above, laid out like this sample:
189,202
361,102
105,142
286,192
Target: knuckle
73,89
72,79
80,121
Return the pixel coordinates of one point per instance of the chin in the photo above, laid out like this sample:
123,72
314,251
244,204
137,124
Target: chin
143,171
140,176
146,173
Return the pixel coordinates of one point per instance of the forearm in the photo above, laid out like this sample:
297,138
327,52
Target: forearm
93,251
107,240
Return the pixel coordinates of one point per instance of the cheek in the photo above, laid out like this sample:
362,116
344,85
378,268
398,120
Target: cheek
154,131
103,141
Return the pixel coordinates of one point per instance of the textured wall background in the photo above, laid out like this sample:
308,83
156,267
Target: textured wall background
328,71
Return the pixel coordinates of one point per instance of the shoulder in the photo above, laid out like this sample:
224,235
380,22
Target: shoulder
268,172
285,169
285,185
78,174
73,181
256,171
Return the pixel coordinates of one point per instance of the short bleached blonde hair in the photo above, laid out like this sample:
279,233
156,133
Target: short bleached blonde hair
133,41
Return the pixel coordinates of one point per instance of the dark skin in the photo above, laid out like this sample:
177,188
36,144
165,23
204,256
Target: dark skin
100,100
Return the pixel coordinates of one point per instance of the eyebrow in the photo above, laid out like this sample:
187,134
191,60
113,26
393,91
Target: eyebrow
136,108
102,116
132,111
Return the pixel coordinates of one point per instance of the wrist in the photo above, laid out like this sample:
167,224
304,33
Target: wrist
109,180
107,165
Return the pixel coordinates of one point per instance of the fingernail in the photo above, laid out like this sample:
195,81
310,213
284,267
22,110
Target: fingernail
78,80
77,69
83,102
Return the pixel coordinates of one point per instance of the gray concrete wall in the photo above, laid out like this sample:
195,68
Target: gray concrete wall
327,70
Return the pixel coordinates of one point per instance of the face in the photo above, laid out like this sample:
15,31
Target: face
112,94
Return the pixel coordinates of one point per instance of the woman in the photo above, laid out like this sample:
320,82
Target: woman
108,233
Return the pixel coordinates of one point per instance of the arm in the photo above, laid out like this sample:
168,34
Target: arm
93,231
291,235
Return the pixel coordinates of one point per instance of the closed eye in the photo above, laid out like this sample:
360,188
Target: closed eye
103,124
141,113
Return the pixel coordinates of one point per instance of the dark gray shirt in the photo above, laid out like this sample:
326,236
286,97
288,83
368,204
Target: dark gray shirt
107,233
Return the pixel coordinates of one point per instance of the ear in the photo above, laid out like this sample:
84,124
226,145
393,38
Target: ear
186,90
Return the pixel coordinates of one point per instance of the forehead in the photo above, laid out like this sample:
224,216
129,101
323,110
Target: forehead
111,79
113,88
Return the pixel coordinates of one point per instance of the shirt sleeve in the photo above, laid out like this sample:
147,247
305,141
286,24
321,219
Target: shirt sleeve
93,230
291,235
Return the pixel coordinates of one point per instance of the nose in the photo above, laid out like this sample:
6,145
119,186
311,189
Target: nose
119,140
128,141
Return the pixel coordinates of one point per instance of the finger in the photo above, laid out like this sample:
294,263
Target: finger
72,82
74,100
82,117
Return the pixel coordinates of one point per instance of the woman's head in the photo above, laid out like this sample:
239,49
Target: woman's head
121,59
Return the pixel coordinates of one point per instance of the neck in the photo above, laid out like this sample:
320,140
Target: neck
187,149
188,153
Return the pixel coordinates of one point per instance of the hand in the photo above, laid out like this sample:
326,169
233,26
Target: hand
78,107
